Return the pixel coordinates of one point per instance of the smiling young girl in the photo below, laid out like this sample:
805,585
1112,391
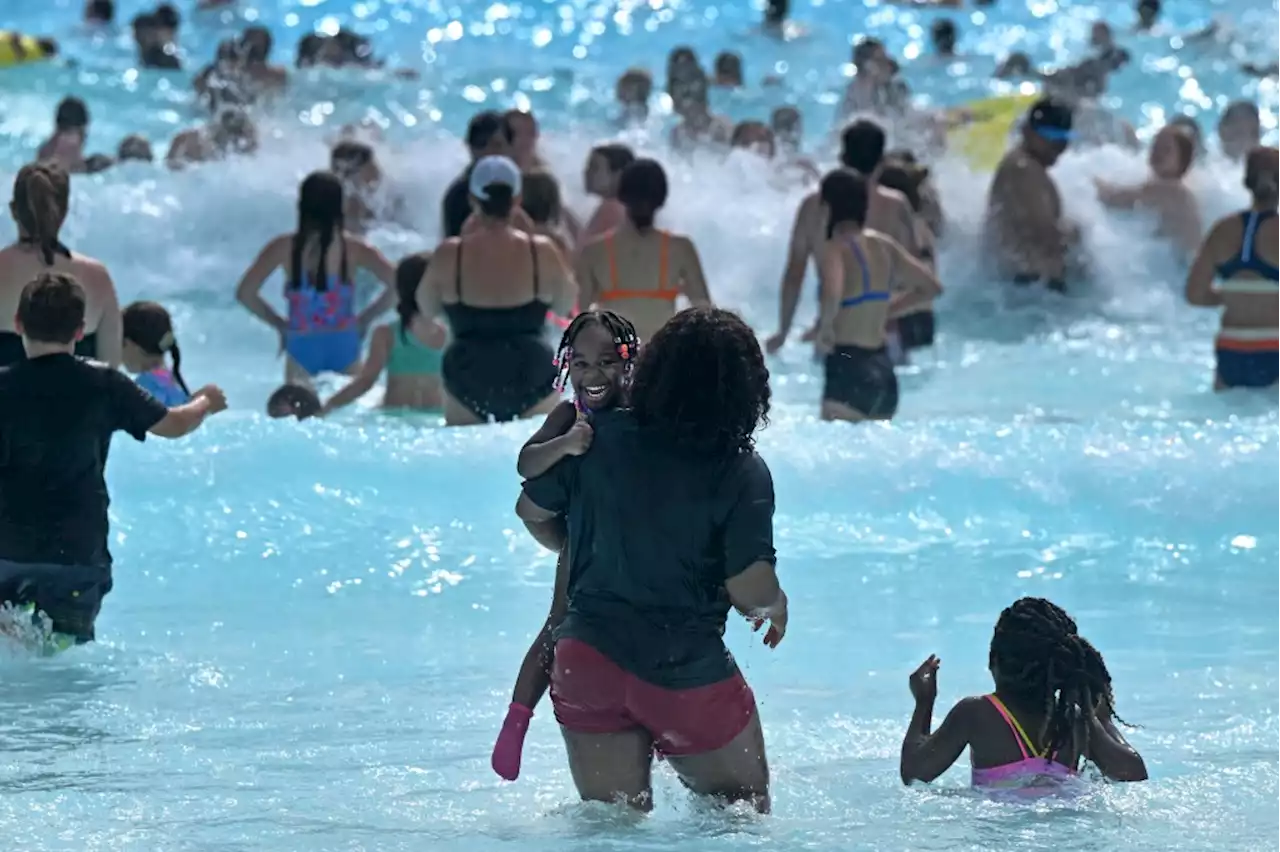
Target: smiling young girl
596,355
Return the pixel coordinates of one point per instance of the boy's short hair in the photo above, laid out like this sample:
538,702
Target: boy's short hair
51,308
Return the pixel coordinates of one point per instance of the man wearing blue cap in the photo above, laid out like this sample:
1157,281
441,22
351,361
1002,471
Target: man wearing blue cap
1025,229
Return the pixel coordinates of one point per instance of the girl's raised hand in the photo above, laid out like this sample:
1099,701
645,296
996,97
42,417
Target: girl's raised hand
924,680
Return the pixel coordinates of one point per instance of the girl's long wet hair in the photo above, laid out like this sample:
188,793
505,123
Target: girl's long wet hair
148,326
702,385
625,341
319,213
1040,659
845,195
41,195
409,272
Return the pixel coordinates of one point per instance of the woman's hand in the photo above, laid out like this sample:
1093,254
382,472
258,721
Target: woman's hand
924,680
777,619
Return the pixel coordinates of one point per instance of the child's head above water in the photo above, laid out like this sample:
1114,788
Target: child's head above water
148,338
596,355
293,401
1038,659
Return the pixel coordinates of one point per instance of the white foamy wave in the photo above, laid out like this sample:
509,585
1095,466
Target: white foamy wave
184,238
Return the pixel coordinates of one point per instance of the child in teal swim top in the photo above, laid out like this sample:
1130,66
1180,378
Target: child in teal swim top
1051,710
409,350
596,355
149,344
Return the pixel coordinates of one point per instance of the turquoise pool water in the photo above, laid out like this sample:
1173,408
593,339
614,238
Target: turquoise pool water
315,627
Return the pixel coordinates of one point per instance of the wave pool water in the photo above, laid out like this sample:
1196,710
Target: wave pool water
315,626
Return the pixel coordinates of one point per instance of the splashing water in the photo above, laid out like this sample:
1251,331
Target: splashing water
315,626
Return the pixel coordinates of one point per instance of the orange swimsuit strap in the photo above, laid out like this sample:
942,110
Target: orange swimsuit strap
664,292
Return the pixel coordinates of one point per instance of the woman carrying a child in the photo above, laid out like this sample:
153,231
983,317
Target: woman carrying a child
669,521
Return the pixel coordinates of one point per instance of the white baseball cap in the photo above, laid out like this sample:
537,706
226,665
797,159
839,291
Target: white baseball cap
490,170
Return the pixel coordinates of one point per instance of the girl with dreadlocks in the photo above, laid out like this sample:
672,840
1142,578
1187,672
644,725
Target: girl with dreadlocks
1050,711
595,356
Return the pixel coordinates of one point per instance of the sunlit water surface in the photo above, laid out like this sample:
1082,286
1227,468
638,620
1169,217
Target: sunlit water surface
315,627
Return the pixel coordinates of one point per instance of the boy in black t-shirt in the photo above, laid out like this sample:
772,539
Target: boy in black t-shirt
57,415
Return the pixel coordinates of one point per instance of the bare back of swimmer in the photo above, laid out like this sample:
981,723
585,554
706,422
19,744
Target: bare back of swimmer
888,211
638,270
41,195
495,285
867,279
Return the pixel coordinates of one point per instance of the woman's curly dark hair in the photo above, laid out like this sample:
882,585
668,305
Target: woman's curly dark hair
701,383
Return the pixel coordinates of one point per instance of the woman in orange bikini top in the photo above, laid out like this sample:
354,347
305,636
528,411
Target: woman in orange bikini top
637,270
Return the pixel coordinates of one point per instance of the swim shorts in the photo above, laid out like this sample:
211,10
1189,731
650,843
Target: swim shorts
70,596
916,330
863,379
593,695
1246,368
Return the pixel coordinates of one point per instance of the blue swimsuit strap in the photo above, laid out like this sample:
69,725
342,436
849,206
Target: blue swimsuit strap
868,294
1252,219
1245,260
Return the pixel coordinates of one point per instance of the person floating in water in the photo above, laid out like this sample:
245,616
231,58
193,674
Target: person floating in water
1025,230
409,350
597,353
148,342
1240,251
56,423
1052,709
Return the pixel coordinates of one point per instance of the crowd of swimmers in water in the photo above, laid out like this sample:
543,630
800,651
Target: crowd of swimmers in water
663,397
620,701
471,338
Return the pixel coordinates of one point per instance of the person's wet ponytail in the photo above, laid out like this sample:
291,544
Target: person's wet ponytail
642,190
498,202
409,272
41,194
1262,176
148,326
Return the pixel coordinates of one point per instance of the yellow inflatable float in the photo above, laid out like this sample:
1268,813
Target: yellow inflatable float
20,49
983,128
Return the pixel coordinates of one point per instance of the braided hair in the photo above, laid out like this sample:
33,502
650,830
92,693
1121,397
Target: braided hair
1097,668
625,340
1038,656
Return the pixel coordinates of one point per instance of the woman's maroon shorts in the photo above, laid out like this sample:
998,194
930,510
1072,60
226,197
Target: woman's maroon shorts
592,695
